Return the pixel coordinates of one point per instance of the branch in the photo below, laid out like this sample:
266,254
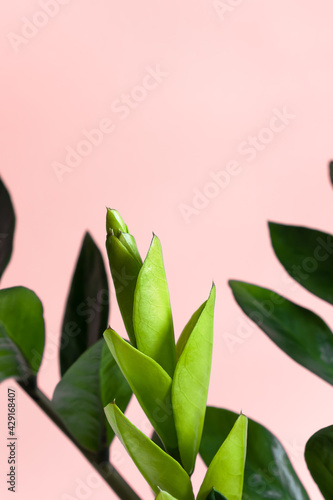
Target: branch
100,463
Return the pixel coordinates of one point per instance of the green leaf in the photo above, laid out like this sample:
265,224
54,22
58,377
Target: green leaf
226,470
152,317
160,470
87,308
215,495
150,384
190,384
81,395
22,333
307,255
163,495
7,227
297,331
184,336
124,267
319,459
268,471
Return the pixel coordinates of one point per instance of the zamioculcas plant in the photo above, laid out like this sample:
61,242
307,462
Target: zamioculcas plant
169,379
307,256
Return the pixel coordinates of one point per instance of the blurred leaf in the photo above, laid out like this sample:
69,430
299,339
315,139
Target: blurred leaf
268,471
307,255
152,317
331,171
87,308
163,495
319,459
226,470
7,227
159,469
21,333
190,384
157,440
89,384
296,330
150,384
215,495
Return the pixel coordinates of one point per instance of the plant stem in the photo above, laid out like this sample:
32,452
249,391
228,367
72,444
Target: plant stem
100,463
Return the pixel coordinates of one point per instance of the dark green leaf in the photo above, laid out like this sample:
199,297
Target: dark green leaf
7,227
268,471
86,388
307,255
296,330
87,308
21,333
215,495
226,470
319,459
159,469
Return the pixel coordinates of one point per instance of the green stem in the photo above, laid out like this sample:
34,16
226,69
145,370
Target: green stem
100,463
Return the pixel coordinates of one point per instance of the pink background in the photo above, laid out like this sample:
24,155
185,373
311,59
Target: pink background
226,75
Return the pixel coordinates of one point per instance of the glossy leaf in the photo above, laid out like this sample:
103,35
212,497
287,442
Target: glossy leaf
87,308
215,495
152,316
319,459
81,395
190,384
22,333
7,227
226,470
296,330
307,255
150,384
160,470
184,336
125,267
268,471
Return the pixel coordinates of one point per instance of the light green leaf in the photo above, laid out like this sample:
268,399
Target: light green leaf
150,384
226,471
163,495
190,384
21,333
268,471
319,459
152,316
81,395
296,330
184,336
160,470
125,264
